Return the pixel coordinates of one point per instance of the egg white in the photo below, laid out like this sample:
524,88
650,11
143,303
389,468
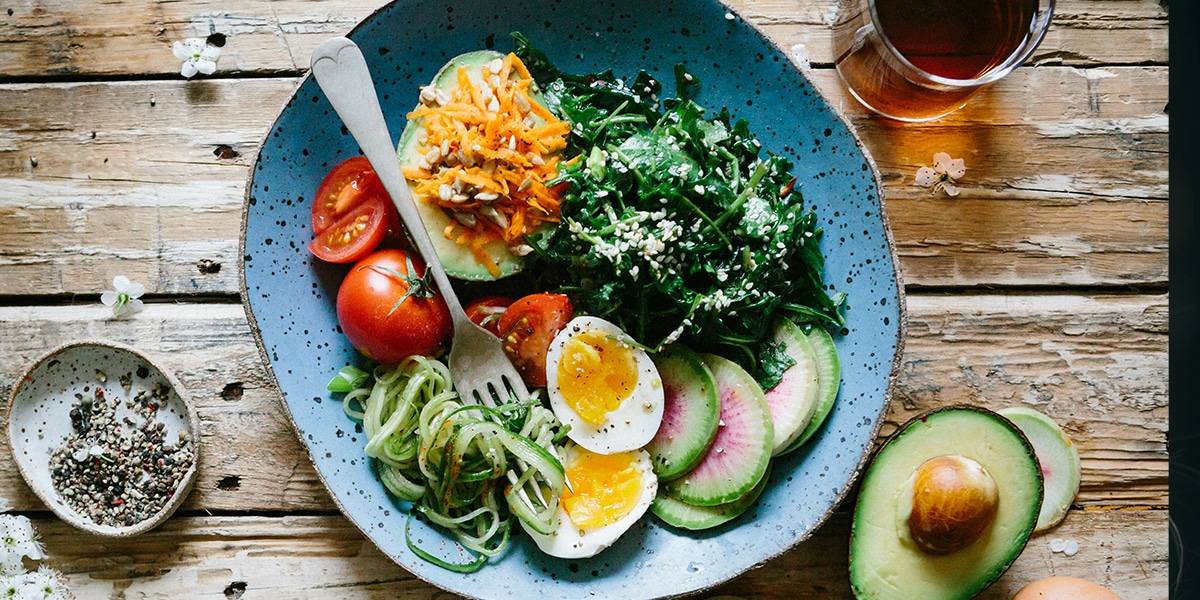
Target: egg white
630,426
569,541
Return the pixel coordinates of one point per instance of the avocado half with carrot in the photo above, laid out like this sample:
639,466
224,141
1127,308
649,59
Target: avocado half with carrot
478,151
946,506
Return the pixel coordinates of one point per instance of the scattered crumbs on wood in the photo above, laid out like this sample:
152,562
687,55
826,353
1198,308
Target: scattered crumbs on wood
152,101
226,152
208,266
33,161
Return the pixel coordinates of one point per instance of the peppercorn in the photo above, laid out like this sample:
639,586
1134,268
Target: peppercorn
119,476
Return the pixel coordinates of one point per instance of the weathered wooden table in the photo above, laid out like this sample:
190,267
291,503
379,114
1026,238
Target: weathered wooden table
1043,284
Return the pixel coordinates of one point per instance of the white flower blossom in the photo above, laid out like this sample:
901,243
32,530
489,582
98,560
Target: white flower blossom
11,566
942,174
198,56
10,585
19,540
18,537
45,584
124,297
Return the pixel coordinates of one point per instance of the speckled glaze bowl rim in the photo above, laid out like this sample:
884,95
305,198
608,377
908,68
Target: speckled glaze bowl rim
46,496
895,363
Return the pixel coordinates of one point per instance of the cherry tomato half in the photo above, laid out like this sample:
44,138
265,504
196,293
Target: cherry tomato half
528,326
380,316
346,186
355,235
486,312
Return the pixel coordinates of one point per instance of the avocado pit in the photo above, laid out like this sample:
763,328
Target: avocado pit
953,501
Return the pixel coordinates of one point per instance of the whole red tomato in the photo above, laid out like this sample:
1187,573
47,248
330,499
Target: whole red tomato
388,312
528,326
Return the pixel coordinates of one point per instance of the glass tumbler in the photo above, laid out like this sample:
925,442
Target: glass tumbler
917,60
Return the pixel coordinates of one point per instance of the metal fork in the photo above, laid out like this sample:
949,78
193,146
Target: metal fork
481,371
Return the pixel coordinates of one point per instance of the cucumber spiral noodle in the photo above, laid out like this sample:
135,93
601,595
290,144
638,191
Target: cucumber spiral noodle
454,461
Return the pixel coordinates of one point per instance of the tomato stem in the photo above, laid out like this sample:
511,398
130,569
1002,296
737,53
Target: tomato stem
420,287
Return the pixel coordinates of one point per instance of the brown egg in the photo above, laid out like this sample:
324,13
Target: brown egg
954,499
1064,588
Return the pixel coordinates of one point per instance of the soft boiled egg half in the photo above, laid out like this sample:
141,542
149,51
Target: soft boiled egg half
605,495
606,389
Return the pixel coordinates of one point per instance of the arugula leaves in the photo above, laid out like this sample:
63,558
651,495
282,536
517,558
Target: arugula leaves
676,226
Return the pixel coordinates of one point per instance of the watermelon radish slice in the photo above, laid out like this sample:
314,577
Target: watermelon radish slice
1059,460
829,378
793,400
677,513
690,414
738,456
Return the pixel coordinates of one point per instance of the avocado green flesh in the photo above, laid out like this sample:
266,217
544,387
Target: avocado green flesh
457,259
884,566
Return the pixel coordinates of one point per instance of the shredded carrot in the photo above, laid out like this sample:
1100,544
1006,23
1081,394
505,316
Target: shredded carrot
489,152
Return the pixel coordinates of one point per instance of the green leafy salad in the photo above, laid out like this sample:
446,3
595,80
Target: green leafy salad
673,225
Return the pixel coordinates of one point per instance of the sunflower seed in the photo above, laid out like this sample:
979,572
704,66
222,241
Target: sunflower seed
522,102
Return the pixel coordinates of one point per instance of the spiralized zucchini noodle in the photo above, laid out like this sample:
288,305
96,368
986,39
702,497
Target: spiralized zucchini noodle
455,461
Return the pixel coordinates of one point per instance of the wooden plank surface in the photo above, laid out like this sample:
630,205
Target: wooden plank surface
1096,365
68,39
1043,284
326,558
1065,185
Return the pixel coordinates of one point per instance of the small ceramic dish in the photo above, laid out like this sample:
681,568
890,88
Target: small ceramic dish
138,425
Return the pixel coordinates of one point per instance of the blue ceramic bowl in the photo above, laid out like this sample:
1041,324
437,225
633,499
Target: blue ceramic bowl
290,296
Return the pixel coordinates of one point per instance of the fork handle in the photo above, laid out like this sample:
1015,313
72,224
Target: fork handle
341,71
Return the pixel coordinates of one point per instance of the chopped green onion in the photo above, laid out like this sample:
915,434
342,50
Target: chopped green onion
347,379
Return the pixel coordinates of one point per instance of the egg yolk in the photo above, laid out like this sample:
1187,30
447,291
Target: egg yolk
602,488
595,374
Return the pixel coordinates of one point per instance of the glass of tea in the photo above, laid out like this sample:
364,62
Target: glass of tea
917,60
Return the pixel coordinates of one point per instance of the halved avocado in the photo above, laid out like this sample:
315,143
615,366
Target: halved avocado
458,260
889,558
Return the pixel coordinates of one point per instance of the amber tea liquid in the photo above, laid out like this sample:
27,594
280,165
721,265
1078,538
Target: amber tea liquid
920,59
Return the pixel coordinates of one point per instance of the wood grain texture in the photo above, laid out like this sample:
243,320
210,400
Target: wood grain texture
1041,285
1065,185
1089,363
326,558
141,179
62,38
1096,365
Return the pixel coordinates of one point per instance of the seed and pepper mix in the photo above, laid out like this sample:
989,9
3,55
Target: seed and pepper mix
118,471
